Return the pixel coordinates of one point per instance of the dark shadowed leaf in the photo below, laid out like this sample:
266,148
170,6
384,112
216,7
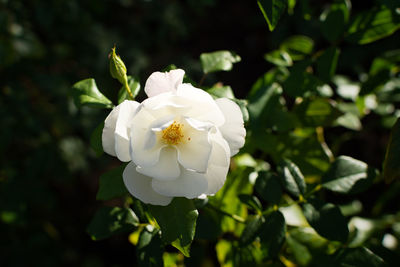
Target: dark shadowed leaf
358,257
109,221
85,92
111,184
373,25
251,201
334,20
251,230
177,222
348,175
268,187
292,177
326,63
272,11
95,139
317,112
391,165
218,61
272,233
149,249
300,251
326,219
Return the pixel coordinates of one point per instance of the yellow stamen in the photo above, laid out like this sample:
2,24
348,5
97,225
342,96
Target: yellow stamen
173,134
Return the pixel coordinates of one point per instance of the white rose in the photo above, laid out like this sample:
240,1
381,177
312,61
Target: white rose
178,142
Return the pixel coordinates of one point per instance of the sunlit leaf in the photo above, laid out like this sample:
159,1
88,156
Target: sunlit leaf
111,184
177,222
300,251
279,58
218,61
109,221
298,46
85,92
272,11
317,112
373,25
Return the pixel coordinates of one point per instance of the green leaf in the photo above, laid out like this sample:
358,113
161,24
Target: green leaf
109,221
317,112
219,91
334,20
300,251
391,165
300,81
358,257
326,63
85,92
149,249
134,85
268,187
111,184
349,121
251,201
293,178
298,46
272,11
348,175
373,25
218,61
96,141
251,230
177,222
279,58
273,233
326,219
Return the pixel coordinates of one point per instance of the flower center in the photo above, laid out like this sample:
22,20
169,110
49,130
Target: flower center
173,134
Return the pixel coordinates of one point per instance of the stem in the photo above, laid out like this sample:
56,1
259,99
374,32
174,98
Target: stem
202,79
233,216
321,140
128,89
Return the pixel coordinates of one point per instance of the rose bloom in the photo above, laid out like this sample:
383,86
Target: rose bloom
178,141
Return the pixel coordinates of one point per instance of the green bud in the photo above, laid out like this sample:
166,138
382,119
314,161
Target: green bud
117,67
118,70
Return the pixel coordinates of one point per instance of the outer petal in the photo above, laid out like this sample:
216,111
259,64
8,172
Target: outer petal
161,82
203,105
167,168
140,187
219,164
107,137
190,184
122,129
233,129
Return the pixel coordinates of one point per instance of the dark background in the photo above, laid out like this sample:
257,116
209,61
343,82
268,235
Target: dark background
49,175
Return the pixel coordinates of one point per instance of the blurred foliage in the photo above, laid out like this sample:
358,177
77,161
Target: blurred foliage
306,190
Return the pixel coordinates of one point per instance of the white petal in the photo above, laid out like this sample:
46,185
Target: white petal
144,149
107,137
122,129
167,167
233,129
203,105
161,82
194,152
140,187
189,184
219,164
